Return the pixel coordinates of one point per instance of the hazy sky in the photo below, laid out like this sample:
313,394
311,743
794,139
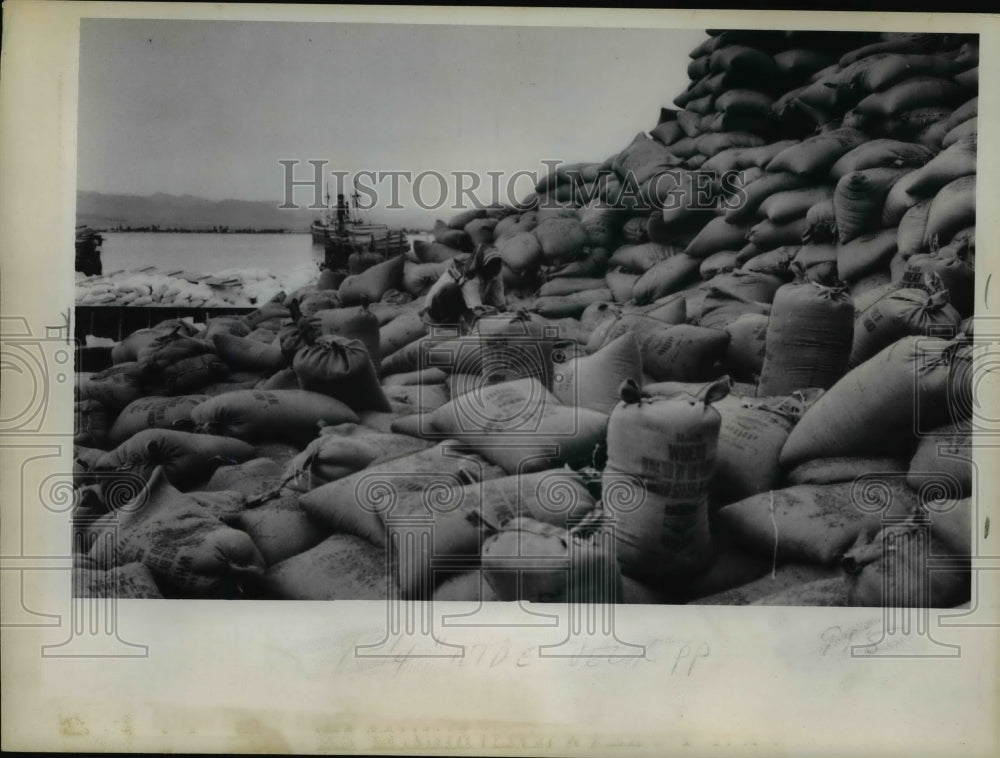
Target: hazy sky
209,108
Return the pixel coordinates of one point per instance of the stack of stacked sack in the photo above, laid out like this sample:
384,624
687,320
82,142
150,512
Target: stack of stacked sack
722,374
836,232
233,288
230,459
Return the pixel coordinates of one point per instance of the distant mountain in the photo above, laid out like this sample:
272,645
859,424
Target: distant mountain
100,210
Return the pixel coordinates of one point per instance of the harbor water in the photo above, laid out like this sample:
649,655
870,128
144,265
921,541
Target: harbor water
207,252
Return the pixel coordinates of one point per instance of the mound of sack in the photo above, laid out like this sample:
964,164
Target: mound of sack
232,288
732,390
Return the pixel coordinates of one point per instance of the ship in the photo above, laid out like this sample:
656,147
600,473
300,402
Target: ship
342,232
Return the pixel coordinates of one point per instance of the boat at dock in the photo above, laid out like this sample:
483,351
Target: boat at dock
342,232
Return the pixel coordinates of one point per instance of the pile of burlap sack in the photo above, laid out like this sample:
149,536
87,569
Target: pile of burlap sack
736,368
232,288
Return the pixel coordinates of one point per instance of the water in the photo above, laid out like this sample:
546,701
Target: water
260,265
208,253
